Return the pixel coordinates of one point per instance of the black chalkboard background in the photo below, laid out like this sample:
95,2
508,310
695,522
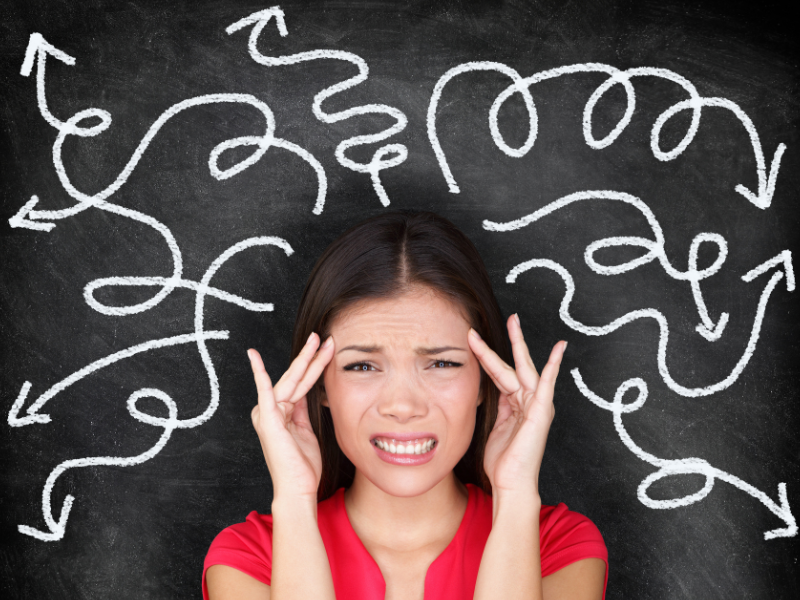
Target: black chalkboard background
142,531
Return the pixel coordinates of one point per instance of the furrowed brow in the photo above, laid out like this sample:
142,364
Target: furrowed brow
366,349
437,350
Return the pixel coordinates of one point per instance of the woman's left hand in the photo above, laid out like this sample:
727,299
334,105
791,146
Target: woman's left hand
515,448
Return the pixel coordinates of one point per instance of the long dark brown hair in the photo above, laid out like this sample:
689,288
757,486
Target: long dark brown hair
383,257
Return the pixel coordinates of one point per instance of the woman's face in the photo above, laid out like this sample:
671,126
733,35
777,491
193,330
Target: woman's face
403,366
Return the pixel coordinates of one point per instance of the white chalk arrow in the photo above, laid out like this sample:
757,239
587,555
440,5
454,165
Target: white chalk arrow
711,331
683,466
24,216
33,412
784,259
38,49
707,328
55,529
260,19
385,157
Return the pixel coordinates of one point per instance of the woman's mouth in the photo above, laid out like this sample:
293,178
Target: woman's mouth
405,452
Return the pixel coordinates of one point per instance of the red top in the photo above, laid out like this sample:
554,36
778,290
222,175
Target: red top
564,536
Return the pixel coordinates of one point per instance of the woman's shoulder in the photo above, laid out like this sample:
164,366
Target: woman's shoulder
565,536
249,542
253,537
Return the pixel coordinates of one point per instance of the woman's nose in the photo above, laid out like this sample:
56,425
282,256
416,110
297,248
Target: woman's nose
402,398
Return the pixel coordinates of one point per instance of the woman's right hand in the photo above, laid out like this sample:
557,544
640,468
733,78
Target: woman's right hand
281,421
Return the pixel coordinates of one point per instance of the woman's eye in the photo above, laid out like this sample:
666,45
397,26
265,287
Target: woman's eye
441,364
359,367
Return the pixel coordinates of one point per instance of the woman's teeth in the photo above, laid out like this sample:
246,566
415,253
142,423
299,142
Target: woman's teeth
411,447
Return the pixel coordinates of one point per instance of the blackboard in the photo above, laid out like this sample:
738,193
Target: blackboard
628,170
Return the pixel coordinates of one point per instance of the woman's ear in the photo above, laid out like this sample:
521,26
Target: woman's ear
323,397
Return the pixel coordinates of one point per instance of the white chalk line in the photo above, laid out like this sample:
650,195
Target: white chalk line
655,250
685,466
397,153
766,182
39,47
34,415
201,289
58,528
662,323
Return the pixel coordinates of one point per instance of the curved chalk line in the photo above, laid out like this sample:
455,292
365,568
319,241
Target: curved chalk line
662,324
200,335
685,466
38,47
385,157
57,528
655,250
766,182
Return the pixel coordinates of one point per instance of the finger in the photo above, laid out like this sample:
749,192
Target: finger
503,376
294,374
523,364
314,370
266,399
547,382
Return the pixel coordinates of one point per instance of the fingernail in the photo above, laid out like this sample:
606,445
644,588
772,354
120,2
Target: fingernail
308,341
328,342
476,334
565,345
516,316
250,356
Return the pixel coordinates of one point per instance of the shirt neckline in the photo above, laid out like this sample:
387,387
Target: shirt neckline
460,533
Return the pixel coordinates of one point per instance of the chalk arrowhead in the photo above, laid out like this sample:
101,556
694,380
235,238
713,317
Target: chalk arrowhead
784,259
786,515
23,218
766,189
38,46
56,528
713,333
262,16
14,420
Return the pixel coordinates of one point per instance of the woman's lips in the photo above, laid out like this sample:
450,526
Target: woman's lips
405,459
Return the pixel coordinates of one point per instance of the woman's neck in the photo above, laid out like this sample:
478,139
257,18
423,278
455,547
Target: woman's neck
405,524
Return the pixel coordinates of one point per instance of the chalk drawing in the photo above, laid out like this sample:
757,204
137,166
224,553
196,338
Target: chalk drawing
94,121
655,251
201,289
39,47
684,466
766,182
385,157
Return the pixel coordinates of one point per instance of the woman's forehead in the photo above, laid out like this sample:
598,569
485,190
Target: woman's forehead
418,308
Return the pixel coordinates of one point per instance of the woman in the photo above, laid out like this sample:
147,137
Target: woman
404,451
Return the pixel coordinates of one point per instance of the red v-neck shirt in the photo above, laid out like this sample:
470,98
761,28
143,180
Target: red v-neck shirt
565,537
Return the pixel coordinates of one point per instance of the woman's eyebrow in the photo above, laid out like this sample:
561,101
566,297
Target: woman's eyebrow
421,351
367,349
437,350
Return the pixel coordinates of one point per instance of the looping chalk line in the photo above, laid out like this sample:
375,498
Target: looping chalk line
42,220
762,198
655,251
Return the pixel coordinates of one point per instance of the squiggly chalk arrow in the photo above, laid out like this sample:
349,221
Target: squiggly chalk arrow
33,411
56,529
685,466
38,47
379,162
202,288
662,324
23,217
783,259
766,181
655,250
